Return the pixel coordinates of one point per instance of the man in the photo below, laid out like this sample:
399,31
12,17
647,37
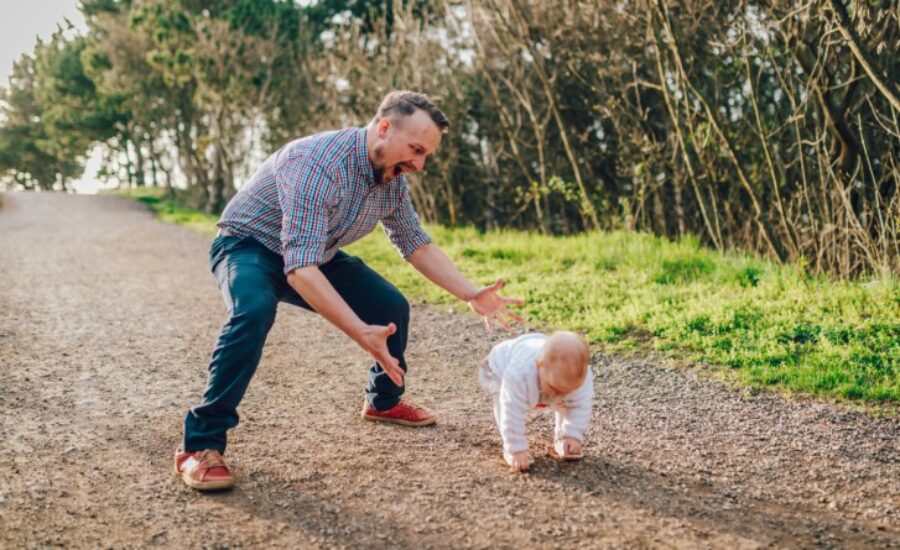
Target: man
279,241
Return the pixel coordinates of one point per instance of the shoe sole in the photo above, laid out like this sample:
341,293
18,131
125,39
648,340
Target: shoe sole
205,485
400,421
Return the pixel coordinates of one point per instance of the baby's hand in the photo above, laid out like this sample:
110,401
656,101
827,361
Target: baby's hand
568,448
520,461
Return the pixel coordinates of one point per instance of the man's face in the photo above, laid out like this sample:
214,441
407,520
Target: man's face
403,144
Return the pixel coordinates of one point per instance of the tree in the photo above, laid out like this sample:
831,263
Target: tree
23,160
74,113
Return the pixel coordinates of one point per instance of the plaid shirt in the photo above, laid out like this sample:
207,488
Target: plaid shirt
317,194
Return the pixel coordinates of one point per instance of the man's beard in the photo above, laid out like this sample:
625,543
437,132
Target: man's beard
377,166
383,173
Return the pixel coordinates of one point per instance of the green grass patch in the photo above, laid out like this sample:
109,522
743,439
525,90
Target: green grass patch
759,324
170,210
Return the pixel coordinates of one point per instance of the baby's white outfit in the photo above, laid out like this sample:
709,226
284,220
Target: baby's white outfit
510,375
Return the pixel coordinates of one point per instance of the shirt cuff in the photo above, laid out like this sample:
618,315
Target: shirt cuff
410,243
304,257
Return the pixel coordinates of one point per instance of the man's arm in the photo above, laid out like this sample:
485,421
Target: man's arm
431,262
305,190
403,229
311,284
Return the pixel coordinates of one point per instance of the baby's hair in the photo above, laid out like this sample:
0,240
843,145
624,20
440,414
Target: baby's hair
569,351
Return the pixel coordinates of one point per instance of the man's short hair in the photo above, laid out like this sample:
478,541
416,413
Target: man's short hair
405,103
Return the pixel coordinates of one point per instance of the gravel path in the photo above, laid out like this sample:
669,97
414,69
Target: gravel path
107,317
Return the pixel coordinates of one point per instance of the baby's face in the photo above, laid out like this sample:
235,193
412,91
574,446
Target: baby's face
556,379
563,364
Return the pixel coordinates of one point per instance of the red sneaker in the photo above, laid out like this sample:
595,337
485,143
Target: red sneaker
401,413
203,470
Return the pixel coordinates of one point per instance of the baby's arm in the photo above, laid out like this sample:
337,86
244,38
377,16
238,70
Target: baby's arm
513,409
572,420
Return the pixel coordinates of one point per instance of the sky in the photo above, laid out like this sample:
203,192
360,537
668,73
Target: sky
22,21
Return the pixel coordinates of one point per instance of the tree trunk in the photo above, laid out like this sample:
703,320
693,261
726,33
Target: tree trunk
216,184
139,162
129,171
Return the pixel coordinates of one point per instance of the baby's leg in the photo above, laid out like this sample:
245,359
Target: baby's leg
559,444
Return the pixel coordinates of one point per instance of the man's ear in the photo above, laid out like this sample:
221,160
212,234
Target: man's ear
383,125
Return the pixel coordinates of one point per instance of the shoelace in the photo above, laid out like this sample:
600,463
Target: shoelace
210,459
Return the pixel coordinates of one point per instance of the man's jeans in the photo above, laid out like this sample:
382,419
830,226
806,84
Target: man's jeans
252,281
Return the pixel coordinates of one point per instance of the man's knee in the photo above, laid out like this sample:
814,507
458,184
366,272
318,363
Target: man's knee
255,311
396,307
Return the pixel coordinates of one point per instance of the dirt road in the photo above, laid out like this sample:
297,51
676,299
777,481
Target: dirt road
107,317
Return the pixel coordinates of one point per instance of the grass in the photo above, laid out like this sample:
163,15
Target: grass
171,212
755,323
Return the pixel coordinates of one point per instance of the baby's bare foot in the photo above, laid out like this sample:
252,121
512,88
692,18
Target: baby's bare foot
568,449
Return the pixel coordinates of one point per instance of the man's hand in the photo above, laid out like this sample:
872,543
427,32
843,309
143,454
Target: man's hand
520,461
490,305
373,339
434,264
313,287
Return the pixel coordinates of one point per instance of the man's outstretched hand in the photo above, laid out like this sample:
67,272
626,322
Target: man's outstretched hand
373,339
489,304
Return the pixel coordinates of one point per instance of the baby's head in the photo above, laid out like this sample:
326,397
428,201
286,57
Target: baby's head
563,363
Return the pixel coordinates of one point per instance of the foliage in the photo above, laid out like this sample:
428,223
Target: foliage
633,291
21,160
761,126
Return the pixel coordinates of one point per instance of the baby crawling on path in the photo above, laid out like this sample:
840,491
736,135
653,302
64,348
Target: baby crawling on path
536,371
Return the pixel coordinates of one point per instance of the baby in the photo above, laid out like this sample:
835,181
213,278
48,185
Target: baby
537,371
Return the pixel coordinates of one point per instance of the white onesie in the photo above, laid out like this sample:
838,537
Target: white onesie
510,375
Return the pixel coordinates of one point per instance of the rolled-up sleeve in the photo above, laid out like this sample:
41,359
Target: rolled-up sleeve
304,192
402,227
